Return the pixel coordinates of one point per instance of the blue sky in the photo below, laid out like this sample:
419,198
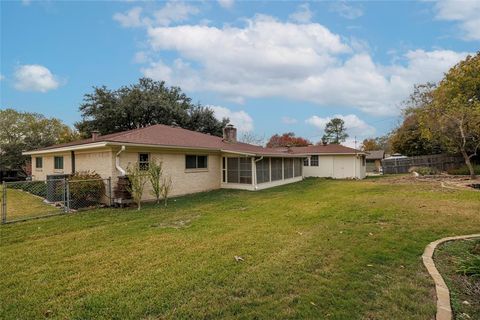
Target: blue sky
270,66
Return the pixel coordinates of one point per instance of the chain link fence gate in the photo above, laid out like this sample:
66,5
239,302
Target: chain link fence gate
25,200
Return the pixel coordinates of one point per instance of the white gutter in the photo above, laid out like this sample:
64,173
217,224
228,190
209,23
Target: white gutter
255,171
117,161
68,148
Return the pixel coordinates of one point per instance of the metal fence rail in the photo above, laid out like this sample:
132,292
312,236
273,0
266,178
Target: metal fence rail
441,162
25,200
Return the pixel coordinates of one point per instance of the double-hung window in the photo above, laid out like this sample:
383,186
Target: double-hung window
196,162
58,163
143,161
314,161
39,162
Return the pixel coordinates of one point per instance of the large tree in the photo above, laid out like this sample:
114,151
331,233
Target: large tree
287,140
335,132
453,115
22,131
408,138
145,103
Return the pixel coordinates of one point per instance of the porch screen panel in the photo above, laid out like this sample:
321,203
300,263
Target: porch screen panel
263,170
276,165
298,167
233,168
246,170
287,168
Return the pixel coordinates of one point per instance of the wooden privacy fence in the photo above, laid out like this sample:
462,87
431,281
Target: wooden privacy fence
441,162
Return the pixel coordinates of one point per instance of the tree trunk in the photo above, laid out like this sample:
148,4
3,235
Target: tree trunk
469,164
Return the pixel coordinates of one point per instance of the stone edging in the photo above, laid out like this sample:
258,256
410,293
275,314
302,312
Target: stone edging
444,310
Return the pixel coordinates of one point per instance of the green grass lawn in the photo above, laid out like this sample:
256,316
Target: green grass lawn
318,249
21,204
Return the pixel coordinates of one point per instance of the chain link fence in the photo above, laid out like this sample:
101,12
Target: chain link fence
25,200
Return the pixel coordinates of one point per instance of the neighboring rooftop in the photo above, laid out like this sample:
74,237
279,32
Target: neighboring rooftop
168,136
375,155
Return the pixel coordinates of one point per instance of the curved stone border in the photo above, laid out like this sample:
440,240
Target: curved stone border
444,310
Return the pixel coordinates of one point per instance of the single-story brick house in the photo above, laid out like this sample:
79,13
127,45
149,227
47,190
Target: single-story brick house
195,161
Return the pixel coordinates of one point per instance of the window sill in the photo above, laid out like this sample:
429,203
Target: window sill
38,170
196,170
57,171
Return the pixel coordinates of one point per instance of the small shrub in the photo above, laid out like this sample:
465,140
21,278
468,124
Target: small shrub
424,171
464,170
86,189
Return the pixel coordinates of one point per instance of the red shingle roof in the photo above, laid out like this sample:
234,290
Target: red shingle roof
166,136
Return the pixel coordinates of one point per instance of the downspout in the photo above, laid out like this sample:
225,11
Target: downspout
255,171
117,162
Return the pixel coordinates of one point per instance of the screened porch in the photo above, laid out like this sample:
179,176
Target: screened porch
253,173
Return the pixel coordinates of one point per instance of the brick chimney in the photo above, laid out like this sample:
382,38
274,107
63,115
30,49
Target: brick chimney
230,133
95,135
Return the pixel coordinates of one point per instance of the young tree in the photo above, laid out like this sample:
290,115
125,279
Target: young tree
167,186
252,138
145,103
335,131
453,116
138,178
23,131
287,140
370,144
155,176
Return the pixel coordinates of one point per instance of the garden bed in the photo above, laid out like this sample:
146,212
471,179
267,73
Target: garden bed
458,263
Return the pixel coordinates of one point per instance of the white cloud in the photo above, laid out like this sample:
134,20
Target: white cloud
289,120
240,119
304,62
26,2
141,57
467,13
2,77
131,18
35,77
345,10
172,11
302,15
354,125
226,3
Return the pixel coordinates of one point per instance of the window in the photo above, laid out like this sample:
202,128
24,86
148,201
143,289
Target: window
39,162
314,161
297,165
276,168
58,163
196,162
239,170
287,168
263,170
305,162
143,159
